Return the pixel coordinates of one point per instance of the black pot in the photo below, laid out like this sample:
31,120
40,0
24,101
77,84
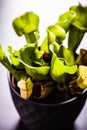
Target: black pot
38,116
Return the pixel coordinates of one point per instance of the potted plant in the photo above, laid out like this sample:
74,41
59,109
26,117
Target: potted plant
48,81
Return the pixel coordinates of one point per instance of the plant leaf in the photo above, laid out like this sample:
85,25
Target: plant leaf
56,33
80,20
65,19
29,55
82,77
68,56
26,88
59,69
14,57
6,63
27,24
78,27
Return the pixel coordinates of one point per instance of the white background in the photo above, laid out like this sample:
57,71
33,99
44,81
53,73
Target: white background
48,11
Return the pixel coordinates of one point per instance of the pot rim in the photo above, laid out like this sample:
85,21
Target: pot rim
43,104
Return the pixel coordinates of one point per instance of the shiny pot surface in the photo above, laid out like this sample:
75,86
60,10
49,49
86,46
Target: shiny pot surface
39,116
